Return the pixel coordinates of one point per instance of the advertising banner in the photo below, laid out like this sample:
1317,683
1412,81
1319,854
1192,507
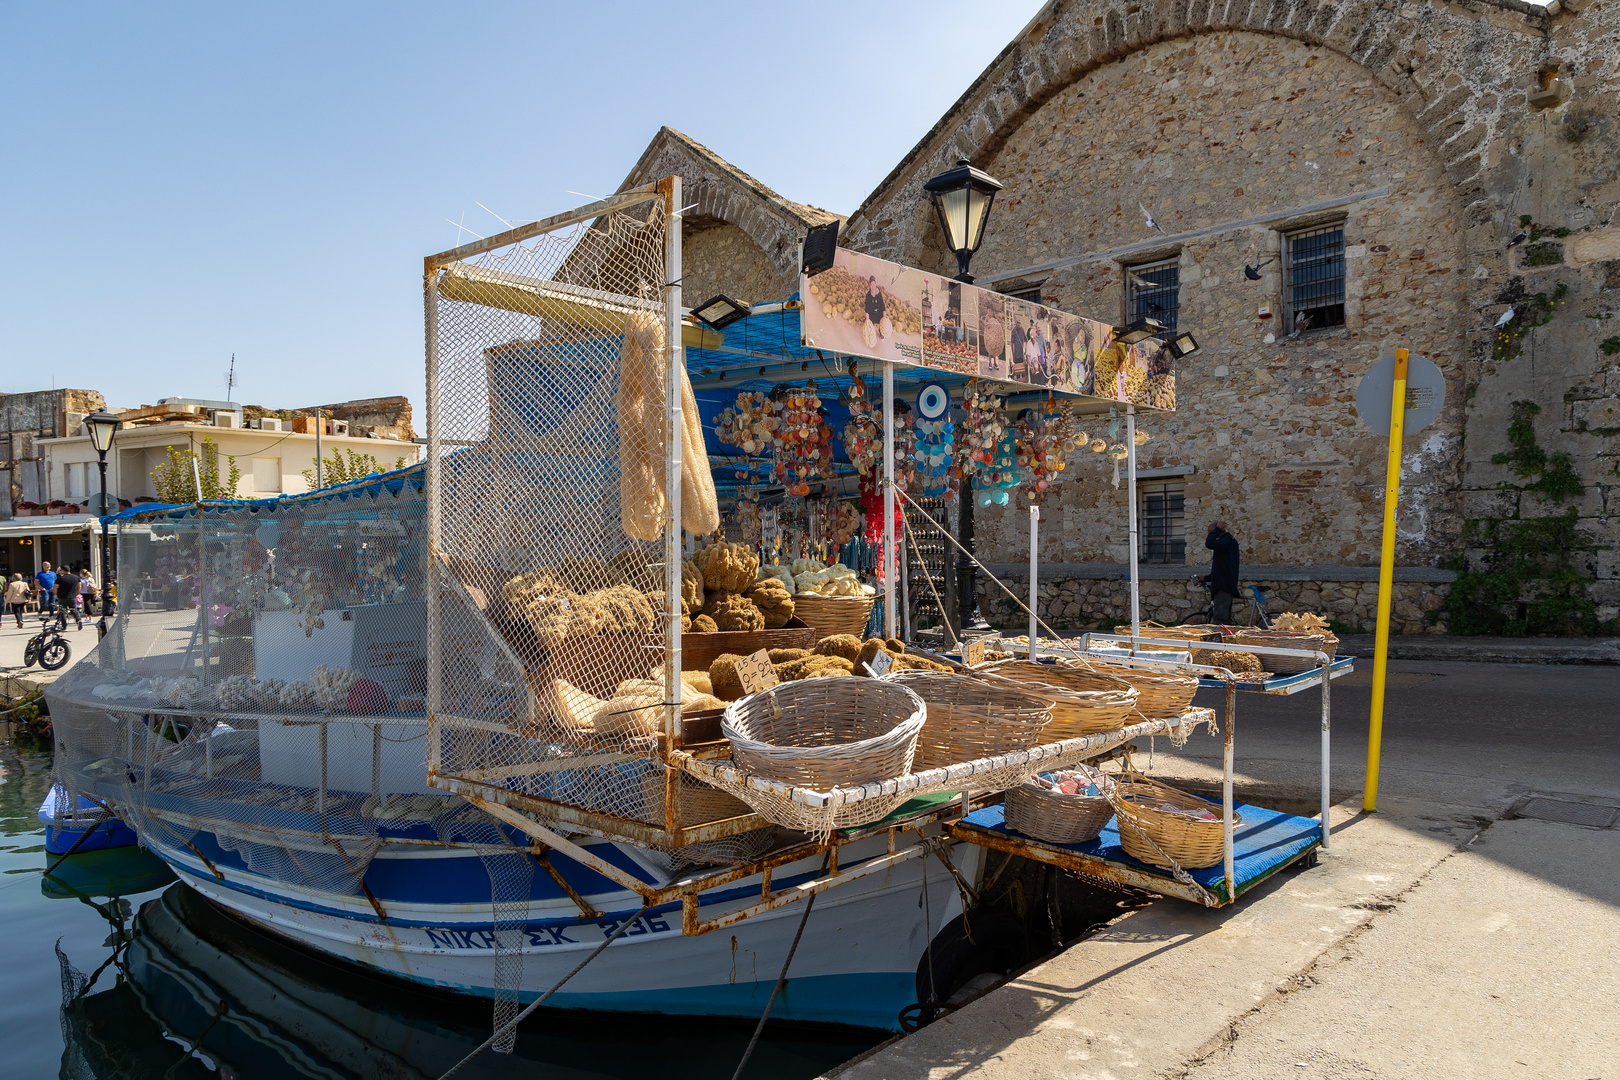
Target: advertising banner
863,306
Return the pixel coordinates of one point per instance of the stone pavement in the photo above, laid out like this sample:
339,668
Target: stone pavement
1381,962
1488,650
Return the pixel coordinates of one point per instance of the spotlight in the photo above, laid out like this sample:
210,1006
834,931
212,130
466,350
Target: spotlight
1182,344
1140,330
820,248
719,312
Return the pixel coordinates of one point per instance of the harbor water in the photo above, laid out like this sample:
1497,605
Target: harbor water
115,970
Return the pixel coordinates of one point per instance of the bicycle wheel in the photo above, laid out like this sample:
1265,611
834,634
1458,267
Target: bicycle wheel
1199,618
54,655
31,652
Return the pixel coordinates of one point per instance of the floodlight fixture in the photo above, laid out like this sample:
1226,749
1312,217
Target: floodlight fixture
719,312
1182,344
1140,330
820,248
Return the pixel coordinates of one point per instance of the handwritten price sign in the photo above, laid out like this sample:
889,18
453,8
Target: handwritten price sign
756,673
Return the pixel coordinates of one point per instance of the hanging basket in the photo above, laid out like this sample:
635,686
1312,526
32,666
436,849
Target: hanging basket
1083,702
1284,639
971,718
829,615
826,733
1160,694
1048,814
1157,821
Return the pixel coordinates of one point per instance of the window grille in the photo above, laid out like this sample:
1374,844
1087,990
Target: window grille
1163,532
1153,291
1032,294
1314,285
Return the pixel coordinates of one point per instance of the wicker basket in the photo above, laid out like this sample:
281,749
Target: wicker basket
1045,814
1192,842
971,718
1284,639
826,733
1191,632
1160,694
829,615
1083,702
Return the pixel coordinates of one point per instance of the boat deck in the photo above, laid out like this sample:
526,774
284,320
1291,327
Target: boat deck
1267,841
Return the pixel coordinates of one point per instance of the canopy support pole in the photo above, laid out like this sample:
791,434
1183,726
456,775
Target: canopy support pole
1130,472
890,615
1034,597
674,371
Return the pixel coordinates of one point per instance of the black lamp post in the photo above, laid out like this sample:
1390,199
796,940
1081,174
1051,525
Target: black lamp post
102,427
962,198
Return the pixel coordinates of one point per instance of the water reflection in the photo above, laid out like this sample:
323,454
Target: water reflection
201,994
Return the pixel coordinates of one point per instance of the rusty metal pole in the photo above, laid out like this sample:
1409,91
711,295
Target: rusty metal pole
1226,788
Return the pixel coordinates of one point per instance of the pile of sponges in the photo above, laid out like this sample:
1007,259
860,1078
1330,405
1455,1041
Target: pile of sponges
813,577
839,654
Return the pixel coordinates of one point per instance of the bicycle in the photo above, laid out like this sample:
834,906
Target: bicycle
49,648
1258,615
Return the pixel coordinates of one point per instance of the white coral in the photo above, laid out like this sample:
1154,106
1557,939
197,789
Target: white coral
182,691
237,692
331,686
297,697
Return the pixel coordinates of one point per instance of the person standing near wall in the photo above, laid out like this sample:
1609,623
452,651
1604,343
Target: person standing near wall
1223,572
45,586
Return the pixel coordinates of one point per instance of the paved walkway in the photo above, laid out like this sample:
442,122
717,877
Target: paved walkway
1489,650
1435,940
16,680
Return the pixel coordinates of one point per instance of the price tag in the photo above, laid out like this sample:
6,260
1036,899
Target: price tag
756,673
973,652
880,664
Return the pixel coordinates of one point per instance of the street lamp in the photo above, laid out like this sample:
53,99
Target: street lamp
962,198
102,427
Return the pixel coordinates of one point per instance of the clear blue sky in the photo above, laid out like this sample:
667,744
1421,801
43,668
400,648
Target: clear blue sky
184,181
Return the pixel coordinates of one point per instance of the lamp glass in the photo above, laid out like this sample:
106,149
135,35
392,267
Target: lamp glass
102,427
953,212
978,212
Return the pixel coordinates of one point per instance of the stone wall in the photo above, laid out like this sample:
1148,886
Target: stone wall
1436,131
386,416
723,259
1084,603
26,418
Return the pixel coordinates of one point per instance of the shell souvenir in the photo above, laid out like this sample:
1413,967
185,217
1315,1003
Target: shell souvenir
935,443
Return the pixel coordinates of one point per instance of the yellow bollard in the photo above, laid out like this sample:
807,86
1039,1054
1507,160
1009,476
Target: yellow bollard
1386,582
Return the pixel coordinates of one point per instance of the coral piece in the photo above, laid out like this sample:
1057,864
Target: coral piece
771,597
297,697
331,686
267,693
779,573
846,645
183,691
237,693
733,612
727,567
1301,623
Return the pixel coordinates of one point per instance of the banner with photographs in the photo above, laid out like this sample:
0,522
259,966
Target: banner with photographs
863,306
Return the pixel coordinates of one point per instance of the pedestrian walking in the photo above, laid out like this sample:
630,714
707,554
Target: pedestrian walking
67,595
88,592
17,596
45,587
1223,572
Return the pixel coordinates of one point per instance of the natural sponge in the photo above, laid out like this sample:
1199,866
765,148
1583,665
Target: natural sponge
703,624
814,667
733,611
782,656
723,671
1236,662
773,601
846,645
691,585
728,567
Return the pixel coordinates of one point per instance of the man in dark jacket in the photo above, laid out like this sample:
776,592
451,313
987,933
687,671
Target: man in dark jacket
67,593
1223,572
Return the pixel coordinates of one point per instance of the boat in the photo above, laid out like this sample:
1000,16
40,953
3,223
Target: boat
67,820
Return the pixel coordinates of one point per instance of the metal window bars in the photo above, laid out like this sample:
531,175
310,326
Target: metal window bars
1153,291
1314,281
1163,522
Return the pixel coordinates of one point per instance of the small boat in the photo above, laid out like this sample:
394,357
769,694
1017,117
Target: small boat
65,824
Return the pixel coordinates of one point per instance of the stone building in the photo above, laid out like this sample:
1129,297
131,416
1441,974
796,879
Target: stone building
1389,175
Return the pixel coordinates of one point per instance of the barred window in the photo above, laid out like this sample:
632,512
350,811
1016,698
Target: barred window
1163,520
1314,283
1153,291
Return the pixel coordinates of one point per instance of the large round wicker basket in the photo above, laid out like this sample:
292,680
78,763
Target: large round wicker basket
1047,814
829,615
826,733
1285,639
1160,694
1192,841
971,718
1083,702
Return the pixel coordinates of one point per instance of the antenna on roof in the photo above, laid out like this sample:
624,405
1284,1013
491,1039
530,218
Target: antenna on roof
230,378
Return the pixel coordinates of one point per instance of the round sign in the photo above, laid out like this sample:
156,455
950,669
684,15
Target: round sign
933,401
1425,394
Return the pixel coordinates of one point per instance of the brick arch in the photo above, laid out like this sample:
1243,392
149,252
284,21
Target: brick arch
1453,67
